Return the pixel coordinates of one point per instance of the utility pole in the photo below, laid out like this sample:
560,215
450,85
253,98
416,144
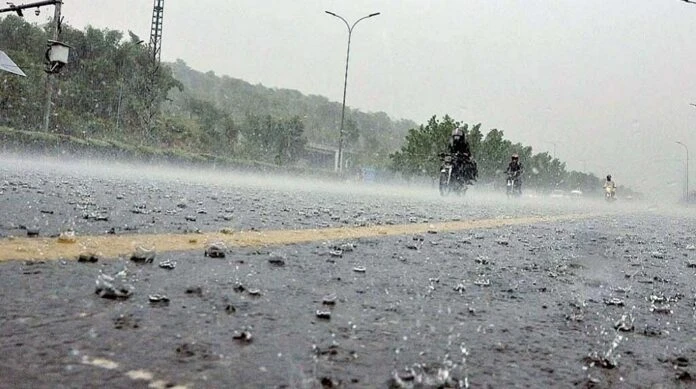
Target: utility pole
49,75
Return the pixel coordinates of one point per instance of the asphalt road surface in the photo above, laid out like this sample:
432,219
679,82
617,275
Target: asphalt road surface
332,284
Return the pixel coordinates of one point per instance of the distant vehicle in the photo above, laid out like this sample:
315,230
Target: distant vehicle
457,172
558,193
513,185
452,178
610,193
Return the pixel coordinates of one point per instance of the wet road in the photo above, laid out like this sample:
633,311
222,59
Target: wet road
333,285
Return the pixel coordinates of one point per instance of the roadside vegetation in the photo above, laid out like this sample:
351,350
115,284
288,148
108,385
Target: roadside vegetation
113,91
419,158
113,95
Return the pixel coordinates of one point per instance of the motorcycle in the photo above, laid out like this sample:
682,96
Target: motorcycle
452,178
513,186
609,193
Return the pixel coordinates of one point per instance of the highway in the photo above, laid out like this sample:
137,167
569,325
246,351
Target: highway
332,284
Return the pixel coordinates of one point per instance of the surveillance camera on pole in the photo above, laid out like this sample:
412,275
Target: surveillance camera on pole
58,52
18,8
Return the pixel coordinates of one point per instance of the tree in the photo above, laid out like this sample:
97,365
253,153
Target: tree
351,134
290,140
320,116
420,155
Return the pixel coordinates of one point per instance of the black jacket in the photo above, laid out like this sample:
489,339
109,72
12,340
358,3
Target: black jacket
460,146
515,168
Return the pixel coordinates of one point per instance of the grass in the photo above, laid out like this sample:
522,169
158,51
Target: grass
67,145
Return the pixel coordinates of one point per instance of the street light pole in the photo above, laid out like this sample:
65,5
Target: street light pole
345,83
687,170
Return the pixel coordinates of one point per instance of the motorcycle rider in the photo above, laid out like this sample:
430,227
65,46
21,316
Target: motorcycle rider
611,185
515,170
459,149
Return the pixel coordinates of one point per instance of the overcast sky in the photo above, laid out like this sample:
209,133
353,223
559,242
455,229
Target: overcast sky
608,81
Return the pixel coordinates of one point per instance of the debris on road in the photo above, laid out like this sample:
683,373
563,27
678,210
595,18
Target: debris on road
427,375
143,255
216,250
242,336
158,299
114,288
625,324
657,255
277,259
661,309
88,257
67,237
167,264
239,288
614,301
195,290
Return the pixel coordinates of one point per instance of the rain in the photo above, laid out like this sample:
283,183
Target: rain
208,253
515,304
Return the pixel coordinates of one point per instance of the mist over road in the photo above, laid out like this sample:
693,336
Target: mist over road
333,284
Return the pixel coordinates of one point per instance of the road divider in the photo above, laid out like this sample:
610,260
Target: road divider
113,246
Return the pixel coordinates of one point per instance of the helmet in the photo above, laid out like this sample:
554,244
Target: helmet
457,132
608,177
515,157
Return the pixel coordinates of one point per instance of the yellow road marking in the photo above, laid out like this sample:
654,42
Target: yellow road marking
112,246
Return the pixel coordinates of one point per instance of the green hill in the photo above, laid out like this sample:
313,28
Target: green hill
371,135
112,90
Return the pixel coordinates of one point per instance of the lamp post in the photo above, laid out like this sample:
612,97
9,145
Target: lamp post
345,83
687,170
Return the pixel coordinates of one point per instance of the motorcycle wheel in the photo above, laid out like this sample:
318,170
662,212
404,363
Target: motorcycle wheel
444,184
461,189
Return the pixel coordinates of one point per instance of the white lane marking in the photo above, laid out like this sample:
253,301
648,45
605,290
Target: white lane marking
99,362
